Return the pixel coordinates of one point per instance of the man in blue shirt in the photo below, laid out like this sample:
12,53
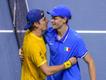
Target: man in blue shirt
65,43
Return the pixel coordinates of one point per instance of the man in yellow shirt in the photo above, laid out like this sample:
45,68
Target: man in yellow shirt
34,65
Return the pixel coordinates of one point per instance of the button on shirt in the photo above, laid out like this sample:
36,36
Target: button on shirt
61,50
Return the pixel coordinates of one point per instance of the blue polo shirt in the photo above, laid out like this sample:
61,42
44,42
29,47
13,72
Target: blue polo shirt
61,50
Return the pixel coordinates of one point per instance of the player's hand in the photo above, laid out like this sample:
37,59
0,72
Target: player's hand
73,60
21,54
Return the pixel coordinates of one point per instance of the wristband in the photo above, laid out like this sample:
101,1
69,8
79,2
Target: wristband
67,64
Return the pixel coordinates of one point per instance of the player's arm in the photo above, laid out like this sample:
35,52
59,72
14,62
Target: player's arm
49,70
89,60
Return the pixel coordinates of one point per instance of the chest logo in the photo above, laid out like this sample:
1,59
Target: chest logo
67,49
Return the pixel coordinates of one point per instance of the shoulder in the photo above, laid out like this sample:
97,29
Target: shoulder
74,35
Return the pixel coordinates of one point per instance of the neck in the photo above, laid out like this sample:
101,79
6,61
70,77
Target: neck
62,30
37,32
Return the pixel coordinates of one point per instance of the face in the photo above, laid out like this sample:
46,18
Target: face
42,25
57,22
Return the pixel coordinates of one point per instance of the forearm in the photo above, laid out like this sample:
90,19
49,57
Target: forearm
91,66
67,64
54,69
92,71
49,70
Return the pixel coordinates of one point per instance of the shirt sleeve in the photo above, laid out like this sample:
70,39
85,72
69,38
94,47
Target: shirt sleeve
81,48
38,57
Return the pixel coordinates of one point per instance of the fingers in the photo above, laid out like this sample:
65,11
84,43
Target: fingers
73,60
21,54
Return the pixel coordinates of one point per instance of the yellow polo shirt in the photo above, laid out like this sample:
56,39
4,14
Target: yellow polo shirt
34,52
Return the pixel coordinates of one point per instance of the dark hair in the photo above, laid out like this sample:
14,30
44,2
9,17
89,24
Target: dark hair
31,28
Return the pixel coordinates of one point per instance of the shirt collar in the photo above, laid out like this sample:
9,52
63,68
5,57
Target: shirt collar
64,37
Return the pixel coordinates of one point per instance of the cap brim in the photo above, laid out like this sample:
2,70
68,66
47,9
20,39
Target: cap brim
52,13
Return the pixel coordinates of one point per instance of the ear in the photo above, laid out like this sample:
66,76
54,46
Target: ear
36,24
64,20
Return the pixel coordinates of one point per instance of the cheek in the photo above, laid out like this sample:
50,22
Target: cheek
44,25
55,22
59,22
